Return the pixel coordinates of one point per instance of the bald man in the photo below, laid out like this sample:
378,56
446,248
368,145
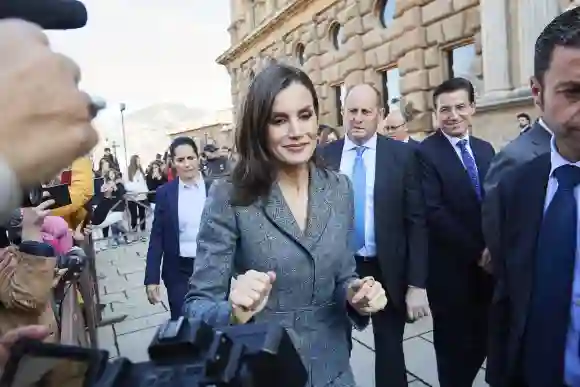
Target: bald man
395,127
390,229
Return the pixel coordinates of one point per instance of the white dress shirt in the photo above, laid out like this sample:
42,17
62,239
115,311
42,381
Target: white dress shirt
191,201
346,166
454,141
571,359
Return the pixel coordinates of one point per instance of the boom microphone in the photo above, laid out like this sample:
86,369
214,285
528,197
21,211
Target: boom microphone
48,14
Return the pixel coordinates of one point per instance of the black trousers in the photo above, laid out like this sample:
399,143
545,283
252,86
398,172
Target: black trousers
138,214
388,329
178,286
460,333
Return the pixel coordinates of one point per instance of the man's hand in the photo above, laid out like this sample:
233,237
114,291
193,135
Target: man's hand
37,332
45,119
485,261
417,304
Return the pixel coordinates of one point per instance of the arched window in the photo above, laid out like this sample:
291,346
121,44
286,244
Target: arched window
299,53
336,35
386,12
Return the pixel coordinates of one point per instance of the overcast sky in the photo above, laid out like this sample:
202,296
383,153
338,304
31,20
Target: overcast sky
144,52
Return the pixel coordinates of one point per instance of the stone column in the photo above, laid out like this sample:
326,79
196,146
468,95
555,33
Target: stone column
495,48
533,16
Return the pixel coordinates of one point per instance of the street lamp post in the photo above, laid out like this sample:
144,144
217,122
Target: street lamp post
122,108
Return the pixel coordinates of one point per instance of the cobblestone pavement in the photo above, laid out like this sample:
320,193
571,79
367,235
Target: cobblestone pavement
121,278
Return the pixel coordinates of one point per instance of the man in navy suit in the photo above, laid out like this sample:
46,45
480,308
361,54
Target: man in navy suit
454,164
535,315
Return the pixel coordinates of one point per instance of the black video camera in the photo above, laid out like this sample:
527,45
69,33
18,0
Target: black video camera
184,353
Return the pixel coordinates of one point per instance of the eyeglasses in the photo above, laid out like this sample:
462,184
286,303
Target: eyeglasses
390,128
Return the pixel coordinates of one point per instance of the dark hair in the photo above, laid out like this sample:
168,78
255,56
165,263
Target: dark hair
324,131
452,85
563,30
182,141
256,169
525,115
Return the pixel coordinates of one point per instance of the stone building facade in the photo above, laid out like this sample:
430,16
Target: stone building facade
404,47
213,128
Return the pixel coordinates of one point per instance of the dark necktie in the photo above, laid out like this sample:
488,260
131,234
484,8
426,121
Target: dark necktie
470,166
549,313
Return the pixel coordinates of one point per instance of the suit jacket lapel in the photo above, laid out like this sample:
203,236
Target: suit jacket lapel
478,156
278,212
333,154
529,212
173,198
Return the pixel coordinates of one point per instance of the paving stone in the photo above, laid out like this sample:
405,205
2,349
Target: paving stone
365,336
131,268
113,297
138,324
134,311
362,361
417,328
134,345
428,336
420,360
107,340
136,279
480,379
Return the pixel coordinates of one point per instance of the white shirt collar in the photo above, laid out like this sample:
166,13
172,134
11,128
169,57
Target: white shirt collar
370,144
455,140
556,158
543,125
191,185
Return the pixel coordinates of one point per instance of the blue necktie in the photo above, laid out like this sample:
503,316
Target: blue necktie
359,182
549,313
470,166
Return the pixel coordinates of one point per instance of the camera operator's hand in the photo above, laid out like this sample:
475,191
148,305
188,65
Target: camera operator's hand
36,332
32,219
45,119
249,294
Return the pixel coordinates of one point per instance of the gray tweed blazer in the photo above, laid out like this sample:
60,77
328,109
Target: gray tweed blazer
312,269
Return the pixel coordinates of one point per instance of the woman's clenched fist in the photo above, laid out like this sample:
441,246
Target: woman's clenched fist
249,294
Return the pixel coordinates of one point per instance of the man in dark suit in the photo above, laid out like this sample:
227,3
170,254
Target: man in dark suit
524,148
535,316
389,224
453,166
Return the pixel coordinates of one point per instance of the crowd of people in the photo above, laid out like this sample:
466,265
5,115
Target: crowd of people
322,234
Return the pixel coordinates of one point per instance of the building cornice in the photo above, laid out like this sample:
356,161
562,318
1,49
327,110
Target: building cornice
264,28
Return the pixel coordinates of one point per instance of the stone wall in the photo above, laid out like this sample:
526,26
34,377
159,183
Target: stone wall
414,42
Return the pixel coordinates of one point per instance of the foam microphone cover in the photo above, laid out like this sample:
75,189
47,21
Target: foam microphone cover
48,14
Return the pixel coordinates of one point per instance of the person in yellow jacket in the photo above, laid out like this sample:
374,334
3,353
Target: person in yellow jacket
81,190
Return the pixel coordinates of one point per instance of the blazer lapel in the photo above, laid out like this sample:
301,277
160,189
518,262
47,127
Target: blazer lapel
173,198
318,207
449,157
333,154
529,212
481,171
278,212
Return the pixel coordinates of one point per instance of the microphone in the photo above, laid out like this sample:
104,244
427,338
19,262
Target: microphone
48,14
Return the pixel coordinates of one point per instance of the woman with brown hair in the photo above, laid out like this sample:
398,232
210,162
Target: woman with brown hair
281,225
136,186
